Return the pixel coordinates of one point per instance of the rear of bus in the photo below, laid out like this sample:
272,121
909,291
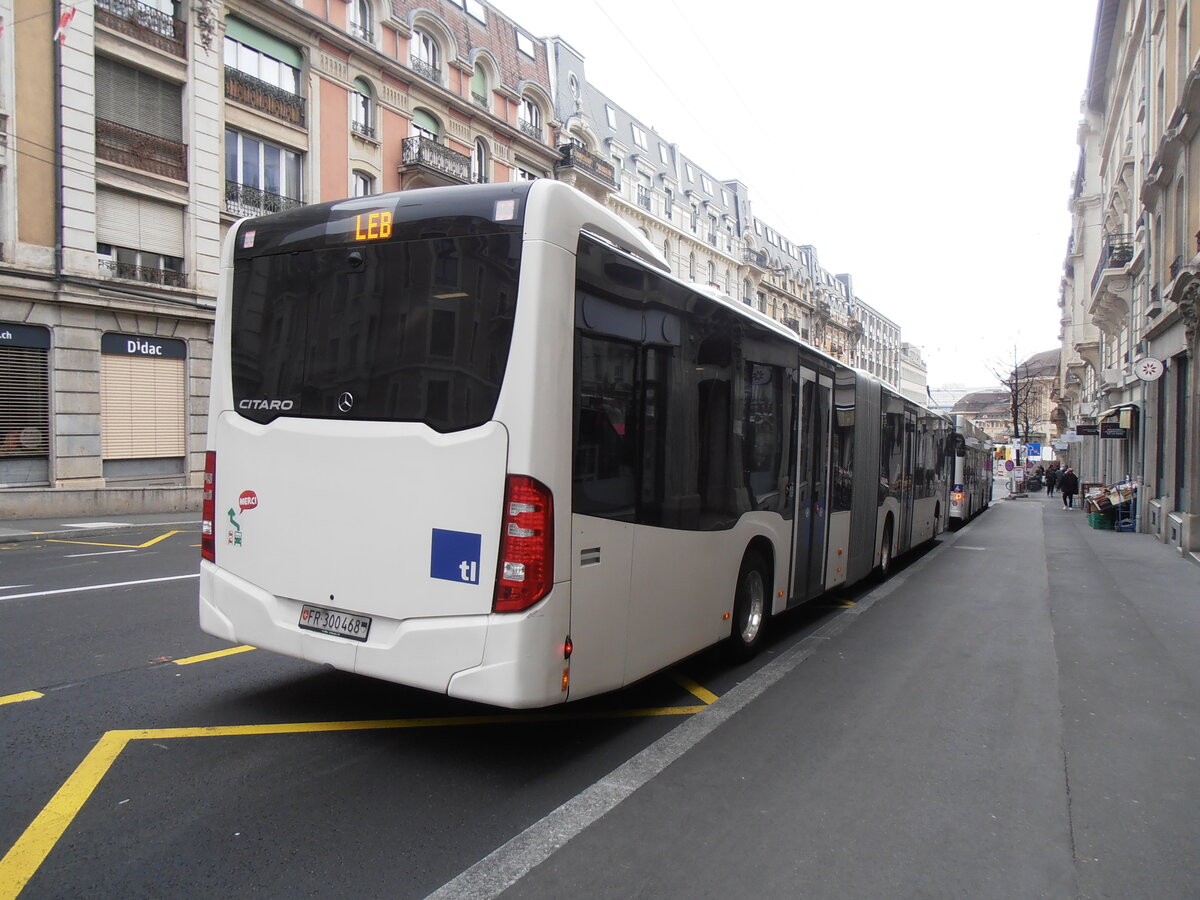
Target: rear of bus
359,508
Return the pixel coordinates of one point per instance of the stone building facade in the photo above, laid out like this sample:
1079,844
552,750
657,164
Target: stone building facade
1127,401
169,121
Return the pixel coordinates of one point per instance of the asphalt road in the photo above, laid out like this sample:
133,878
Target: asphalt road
1014,714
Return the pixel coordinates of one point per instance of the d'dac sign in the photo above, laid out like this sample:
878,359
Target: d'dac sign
140,345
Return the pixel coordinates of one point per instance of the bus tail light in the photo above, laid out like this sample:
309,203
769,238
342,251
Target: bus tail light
526,569
208,542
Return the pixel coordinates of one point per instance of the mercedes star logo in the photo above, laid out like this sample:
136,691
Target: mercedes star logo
345,401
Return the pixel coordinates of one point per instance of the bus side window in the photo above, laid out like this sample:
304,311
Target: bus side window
762,435
606,430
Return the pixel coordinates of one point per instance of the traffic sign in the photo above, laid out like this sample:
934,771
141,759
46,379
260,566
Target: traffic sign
1009,465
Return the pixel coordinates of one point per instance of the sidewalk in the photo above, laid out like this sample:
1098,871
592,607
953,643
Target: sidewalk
1017,716
14,530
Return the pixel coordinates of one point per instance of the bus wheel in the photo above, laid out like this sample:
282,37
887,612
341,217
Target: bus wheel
749,607
885,552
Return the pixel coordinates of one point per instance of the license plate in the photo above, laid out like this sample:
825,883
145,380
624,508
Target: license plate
335,622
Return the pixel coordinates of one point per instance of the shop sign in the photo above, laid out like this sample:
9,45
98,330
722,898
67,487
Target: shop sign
140,345
1087,430
24,336
1113,430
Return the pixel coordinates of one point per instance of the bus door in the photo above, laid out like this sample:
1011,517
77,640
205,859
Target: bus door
812,491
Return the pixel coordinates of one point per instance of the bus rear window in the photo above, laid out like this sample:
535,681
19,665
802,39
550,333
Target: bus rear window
402,331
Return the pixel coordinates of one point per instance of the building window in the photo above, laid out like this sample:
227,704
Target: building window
260,177
712,273
260,64
425,55
360,109
139,239
480,93
667,255
364,184
479,162
24,405
706,184
610,115
687,170
669,204
424,125
526,45
529,118
361,21
643,191
143,407
691,267
639,136
663,156
520,173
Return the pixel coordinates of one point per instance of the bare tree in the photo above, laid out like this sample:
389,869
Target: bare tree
1019,382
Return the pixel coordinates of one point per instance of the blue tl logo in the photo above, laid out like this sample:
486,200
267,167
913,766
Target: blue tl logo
454,556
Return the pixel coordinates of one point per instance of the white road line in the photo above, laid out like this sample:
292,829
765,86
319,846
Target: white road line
12,587
100,553
506,865
98,587
94,524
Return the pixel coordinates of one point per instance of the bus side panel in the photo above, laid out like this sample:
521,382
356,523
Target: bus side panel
837,564
601,568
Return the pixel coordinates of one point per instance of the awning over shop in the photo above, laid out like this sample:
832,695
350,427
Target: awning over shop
1126,412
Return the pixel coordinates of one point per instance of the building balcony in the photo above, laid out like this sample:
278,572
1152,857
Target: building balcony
1112,284
755,258
1116,252
144,23
244,200
110,268
264,97
426,70
362,33
582,169
420,155
363,129
530,129
139,150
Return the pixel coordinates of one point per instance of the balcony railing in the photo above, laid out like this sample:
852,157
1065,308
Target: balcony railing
755,258
140,150
426,70
1115,253
421,151
150,275
362,32
576,157
264,97
363,129
244,200
531,129
479,100
143,23
643,197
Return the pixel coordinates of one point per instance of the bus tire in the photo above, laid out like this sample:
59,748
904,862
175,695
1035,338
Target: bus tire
885,550
751,602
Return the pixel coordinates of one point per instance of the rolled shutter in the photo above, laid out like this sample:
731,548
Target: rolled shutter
142,407
138,223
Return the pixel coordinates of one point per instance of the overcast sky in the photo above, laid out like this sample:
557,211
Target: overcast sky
925,147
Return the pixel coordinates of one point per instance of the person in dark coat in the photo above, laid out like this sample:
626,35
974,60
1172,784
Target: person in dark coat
1051,480
1068,485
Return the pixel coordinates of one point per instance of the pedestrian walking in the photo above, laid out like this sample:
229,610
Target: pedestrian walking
1051,481
1068,485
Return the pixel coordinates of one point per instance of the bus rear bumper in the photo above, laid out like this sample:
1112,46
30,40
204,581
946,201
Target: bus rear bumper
513,659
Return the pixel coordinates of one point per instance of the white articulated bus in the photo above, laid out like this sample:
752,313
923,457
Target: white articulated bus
971,488
478,440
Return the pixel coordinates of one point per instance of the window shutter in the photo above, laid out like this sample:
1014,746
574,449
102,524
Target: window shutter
138,223
142,405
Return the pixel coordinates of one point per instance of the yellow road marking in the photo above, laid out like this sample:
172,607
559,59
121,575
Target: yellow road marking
692,688
150,543
22,861
216,654
27,854
17,698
